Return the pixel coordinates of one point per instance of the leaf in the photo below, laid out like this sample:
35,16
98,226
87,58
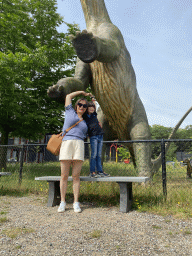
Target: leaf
33,56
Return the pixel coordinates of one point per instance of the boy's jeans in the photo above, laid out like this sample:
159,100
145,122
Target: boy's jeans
96,150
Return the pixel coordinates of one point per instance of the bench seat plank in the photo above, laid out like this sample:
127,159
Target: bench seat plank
125,185
4,173
87,178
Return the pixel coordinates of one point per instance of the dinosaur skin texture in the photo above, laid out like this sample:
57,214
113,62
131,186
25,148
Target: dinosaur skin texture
189,167
105,63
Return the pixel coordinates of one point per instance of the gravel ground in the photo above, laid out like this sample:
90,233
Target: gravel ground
40,230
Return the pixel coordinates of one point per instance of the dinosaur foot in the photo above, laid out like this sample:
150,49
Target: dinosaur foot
63,87
85,46
57,93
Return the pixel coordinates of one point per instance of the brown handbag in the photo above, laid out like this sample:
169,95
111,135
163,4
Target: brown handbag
55,141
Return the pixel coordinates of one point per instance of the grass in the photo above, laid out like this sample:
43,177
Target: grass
146,198
3,212
17,231
156,227
187,232
3,219
96,234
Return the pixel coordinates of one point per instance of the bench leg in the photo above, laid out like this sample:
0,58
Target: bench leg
126,196
54,193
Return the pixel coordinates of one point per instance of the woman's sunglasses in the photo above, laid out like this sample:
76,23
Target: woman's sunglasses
82,105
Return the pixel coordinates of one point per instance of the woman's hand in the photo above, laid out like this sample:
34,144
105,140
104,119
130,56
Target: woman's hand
86,94
91,95
70,96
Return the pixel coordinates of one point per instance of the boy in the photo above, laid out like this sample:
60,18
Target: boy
95,133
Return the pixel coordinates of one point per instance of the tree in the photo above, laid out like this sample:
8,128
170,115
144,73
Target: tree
158,132
161,132
33,56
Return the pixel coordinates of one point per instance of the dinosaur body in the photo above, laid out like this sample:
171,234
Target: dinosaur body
105,63
111,93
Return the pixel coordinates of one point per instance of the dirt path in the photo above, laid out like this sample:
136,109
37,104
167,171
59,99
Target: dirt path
32,228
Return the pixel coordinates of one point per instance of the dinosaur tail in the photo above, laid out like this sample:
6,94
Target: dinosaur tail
156,163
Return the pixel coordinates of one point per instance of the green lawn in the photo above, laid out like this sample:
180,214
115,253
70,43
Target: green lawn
146,198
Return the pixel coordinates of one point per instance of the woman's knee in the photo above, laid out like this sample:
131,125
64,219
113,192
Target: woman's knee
76,177
64,177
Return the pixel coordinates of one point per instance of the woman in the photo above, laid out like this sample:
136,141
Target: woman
72,148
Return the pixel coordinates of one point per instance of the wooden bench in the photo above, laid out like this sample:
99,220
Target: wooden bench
4,173
125,184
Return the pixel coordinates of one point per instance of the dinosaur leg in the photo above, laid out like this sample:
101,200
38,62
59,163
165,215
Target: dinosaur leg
189,169
139,130
104,46
70,84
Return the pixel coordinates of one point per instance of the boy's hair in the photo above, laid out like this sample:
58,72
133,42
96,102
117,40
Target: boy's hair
91,104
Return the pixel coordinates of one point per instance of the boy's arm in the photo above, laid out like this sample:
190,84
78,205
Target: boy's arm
93,100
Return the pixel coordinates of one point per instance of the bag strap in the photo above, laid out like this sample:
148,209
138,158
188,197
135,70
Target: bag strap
68,129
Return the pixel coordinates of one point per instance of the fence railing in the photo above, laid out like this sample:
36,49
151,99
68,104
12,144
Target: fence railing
172,169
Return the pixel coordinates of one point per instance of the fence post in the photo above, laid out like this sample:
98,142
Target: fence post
21,164
164,178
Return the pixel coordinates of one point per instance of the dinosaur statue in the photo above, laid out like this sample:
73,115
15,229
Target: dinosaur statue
105,63
189,167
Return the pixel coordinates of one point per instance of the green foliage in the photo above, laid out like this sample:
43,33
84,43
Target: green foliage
124,153
33,56
161,132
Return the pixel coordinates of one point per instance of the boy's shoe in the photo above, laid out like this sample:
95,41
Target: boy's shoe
93,175
99,175
76,207
62,207
103,174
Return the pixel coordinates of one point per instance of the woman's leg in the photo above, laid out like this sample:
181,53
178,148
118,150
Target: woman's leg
65,167
76,170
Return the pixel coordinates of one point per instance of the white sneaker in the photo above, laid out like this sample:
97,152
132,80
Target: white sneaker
62,207
76,207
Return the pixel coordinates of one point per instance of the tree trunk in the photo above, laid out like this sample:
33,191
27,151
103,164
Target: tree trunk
3,150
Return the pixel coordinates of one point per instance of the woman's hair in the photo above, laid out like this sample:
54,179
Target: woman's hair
78,102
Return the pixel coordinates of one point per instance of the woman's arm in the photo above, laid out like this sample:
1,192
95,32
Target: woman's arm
70,96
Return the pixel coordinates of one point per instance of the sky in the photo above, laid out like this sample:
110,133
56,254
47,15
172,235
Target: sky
158,36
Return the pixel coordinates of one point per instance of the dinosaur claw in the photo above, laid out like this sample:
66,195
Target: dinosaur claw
71,37
78,33
60,89
84,31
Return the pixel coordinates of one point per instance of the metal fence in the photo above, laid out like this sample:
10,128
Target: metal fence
174,172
